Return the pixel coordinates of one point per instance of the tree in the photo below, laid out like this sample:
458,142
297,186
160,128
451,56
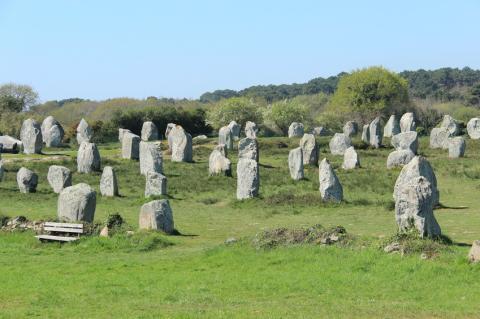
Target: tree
288,111
238,109
370,92
17,97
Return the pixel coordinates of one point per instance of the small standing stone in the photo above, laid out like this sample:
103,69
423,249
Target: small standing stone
320,131
339,144
474,253
451,125
366,134
52,132
108,182
156,184
31,136
131,146
77,203
248,178
330,187
149,131
157,215
392,127
225,136
456,147
170,127
84,132
405,141
350,159
248,148
59,177
121,133
251,130
399,158
27,180
439,137
151,159
295,163
407,122
88,158
309,149
218,164
295,130
350,128
235,128
375,133
181,142
222,148
473,128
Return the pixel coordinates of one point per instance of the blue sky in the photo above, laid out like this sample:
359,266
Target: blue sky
103,49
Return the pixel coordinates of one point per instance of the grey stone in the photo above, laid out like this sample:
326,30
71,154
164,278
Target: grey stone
310,149
182,150
84,132
27,180
320,131
31,136
121,133
88,158
248,178
156,184
295,163
108,182
350,159
418,166
474,253
392,127
350,128
2,170
366,134
225,136
375,131
251,130
295,130
439,137
222,148
339,144
399,158
149,131
218,164
330,187
52,132
131,146
405,141
199,137
248,148
10,144
452,125
473,128
170,127
77,203
407,122
151,159
414,207
235,128
456,147
157,215
59,177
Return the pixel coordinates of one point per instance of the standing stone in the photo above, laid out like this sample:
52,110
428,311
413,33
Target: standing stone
295,130
54,136
392,127
375,131
405,141
170,127
218,164
473,128
31,136
108,182
366,134
222,148
456,147
474,253
350,128
414,207
156,184
77,203
399,158
225,136
330,187
88,158
27,180
84,132
295,163
151,159
451,125
248,178
47,123
157,215
319,131
235,129
181,145
418,166
407,122
339,144
251,130
10,144
121,133
149,131
350,159
439,137
309,149
131,146
59,177
248,148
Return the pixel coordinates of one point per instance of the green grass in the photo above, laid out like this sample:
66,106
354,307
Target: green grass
195,275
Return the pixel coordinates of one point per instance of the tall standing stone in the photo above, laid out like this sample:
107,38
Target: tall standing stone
248,148
407,122
339,144
88,158
366,134
121,133
218,164
84,132
451,125
375,131
251,130
59,177
330,187
131,146
309,147
157,215
52,132
405,141
295,130
350,128
77,203
151,159
439,137
225,136
456,147
248,178
235,128
149,131
169,128
182,150
392,127
27,180
295,163
473,128
108,182
350,159
31,136
155,185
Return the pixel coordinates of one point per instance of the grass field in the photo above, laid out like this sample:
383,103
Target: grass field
195,275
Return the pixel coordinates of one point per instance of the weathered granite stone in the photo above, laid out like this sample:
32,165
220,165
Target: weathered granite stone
235,128
199,138
222,148
151,159
84,132
10,144
248,178
452,125
414,207
251,130
27,180
31,136
375,131
350,128
473,128
218,164
77,203
330,187
392,127
156,184
108,182
350,159
439,137
399,158
121,133
474,253
295,163
131,146
407,122
170,127
248,148
456,147
295,130
88,158
366,134
309,148
182,150
405,141
59,177
52,132
157,215
339,144
320,131
149,131
225,136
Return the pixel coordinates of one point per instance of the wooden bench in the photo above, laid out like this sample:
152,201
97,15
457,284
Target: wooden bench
59,232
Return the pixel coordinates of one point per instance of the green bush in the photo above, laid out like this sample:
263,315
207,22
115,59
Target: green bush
285,112
238,109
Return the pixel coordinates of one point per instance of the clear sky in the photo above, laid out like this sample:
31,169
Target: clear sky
100,49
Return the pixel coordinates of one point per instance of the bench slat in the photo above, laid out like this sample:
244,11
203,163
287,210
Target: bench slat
63,230
57,238
65,225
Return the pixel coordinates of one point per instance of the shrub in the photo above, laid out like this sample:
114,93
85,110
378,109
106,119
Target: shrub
239,109
285,112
